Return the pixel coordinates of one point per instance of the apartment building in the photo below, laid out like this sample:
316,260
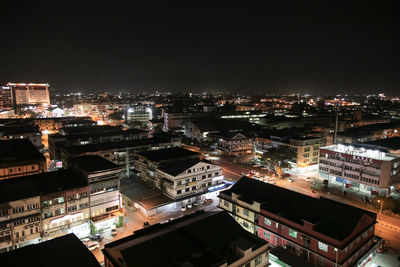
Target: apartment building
360,167
306,147
178,173
232,142
202,239
30,93
121,153
318,230
55,124
103,178
38,207
20,157
369,133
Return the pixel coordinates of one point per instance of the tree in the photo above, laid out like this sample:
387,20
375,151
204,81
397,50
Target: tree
388,203
93,229
116,116
277,159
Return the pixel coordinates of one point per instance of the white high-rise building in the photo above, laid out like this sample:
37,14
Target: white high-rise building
30,93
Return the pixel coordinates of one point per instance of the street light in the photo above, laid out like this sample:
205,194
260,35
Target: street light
380,210
336,250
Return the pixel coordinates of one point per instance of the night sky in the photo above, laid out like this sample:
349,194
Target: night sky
336,47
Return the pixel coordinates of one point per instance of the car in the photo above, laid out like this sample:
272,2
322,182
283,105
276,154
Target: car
314,190
366,199
96,237
146,224
113,230
85,240
92,245
309,178
189,206
290,180
183,208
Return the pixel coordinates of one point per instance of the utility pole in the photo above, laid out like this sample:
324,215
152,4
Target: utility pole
336,123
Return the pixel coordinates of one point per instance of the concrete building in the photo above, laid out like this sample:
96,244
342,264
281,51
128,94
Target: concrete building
103,178
65,251
6,98
30,93
31,133
138,114
369,133
200,239
358,167
20,157
232,142
121,153
318,230
179,173
38,207
74,136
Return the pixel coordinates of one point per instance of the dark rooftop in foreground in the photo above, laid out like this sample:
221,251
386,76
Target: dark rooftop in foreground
18,150
65,251
39,184
93,163
297,207
192,246
165,154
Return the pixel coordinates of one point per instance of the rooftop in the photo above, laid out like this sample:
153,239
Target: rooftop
210,124
18,150
361,150
52,253
158,138
365,130
296,207
200,239
93,163
39,184
227,134
168,153
176,167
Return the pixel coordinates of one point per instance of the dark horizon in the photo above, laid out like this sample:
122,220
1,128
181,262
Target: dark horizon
348,48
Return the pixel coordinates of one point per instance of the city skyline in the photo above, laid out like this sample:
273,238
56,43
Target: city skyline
318,49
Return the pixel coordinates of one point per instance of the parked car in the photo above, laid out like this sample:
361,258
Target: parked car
189,206
309,178
146,224
92,245
290,180
366,199
183,208
113,230
96,237
314,190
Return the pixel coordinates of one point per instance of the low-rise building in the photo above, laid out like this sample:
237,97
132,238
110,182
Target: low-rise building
31,133
178,173
232,142
319,230
122,152
358,167
200,239
20,157
38,207
103,178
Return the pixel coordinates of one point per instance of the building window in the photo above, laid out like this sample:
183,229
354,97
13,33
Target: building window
216,173
112,208
258,260
245,224
187,189
292,233
267,221
323,246
193,188
209,175
178,191
267,235
189,171
246,212
226,203
194,179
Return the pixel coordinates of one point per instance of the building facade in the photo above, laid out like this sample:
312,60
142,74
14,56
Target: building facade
357,167
6,98
30,93
232,143
306,227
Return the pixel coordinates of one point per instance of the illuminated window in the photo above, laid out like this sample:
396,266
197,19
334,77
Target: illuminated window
292,233
323,246
267,221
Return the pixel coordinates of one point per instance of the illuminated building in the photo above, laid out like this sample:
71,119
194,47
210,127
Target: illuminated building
360,167
30,93
6,99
